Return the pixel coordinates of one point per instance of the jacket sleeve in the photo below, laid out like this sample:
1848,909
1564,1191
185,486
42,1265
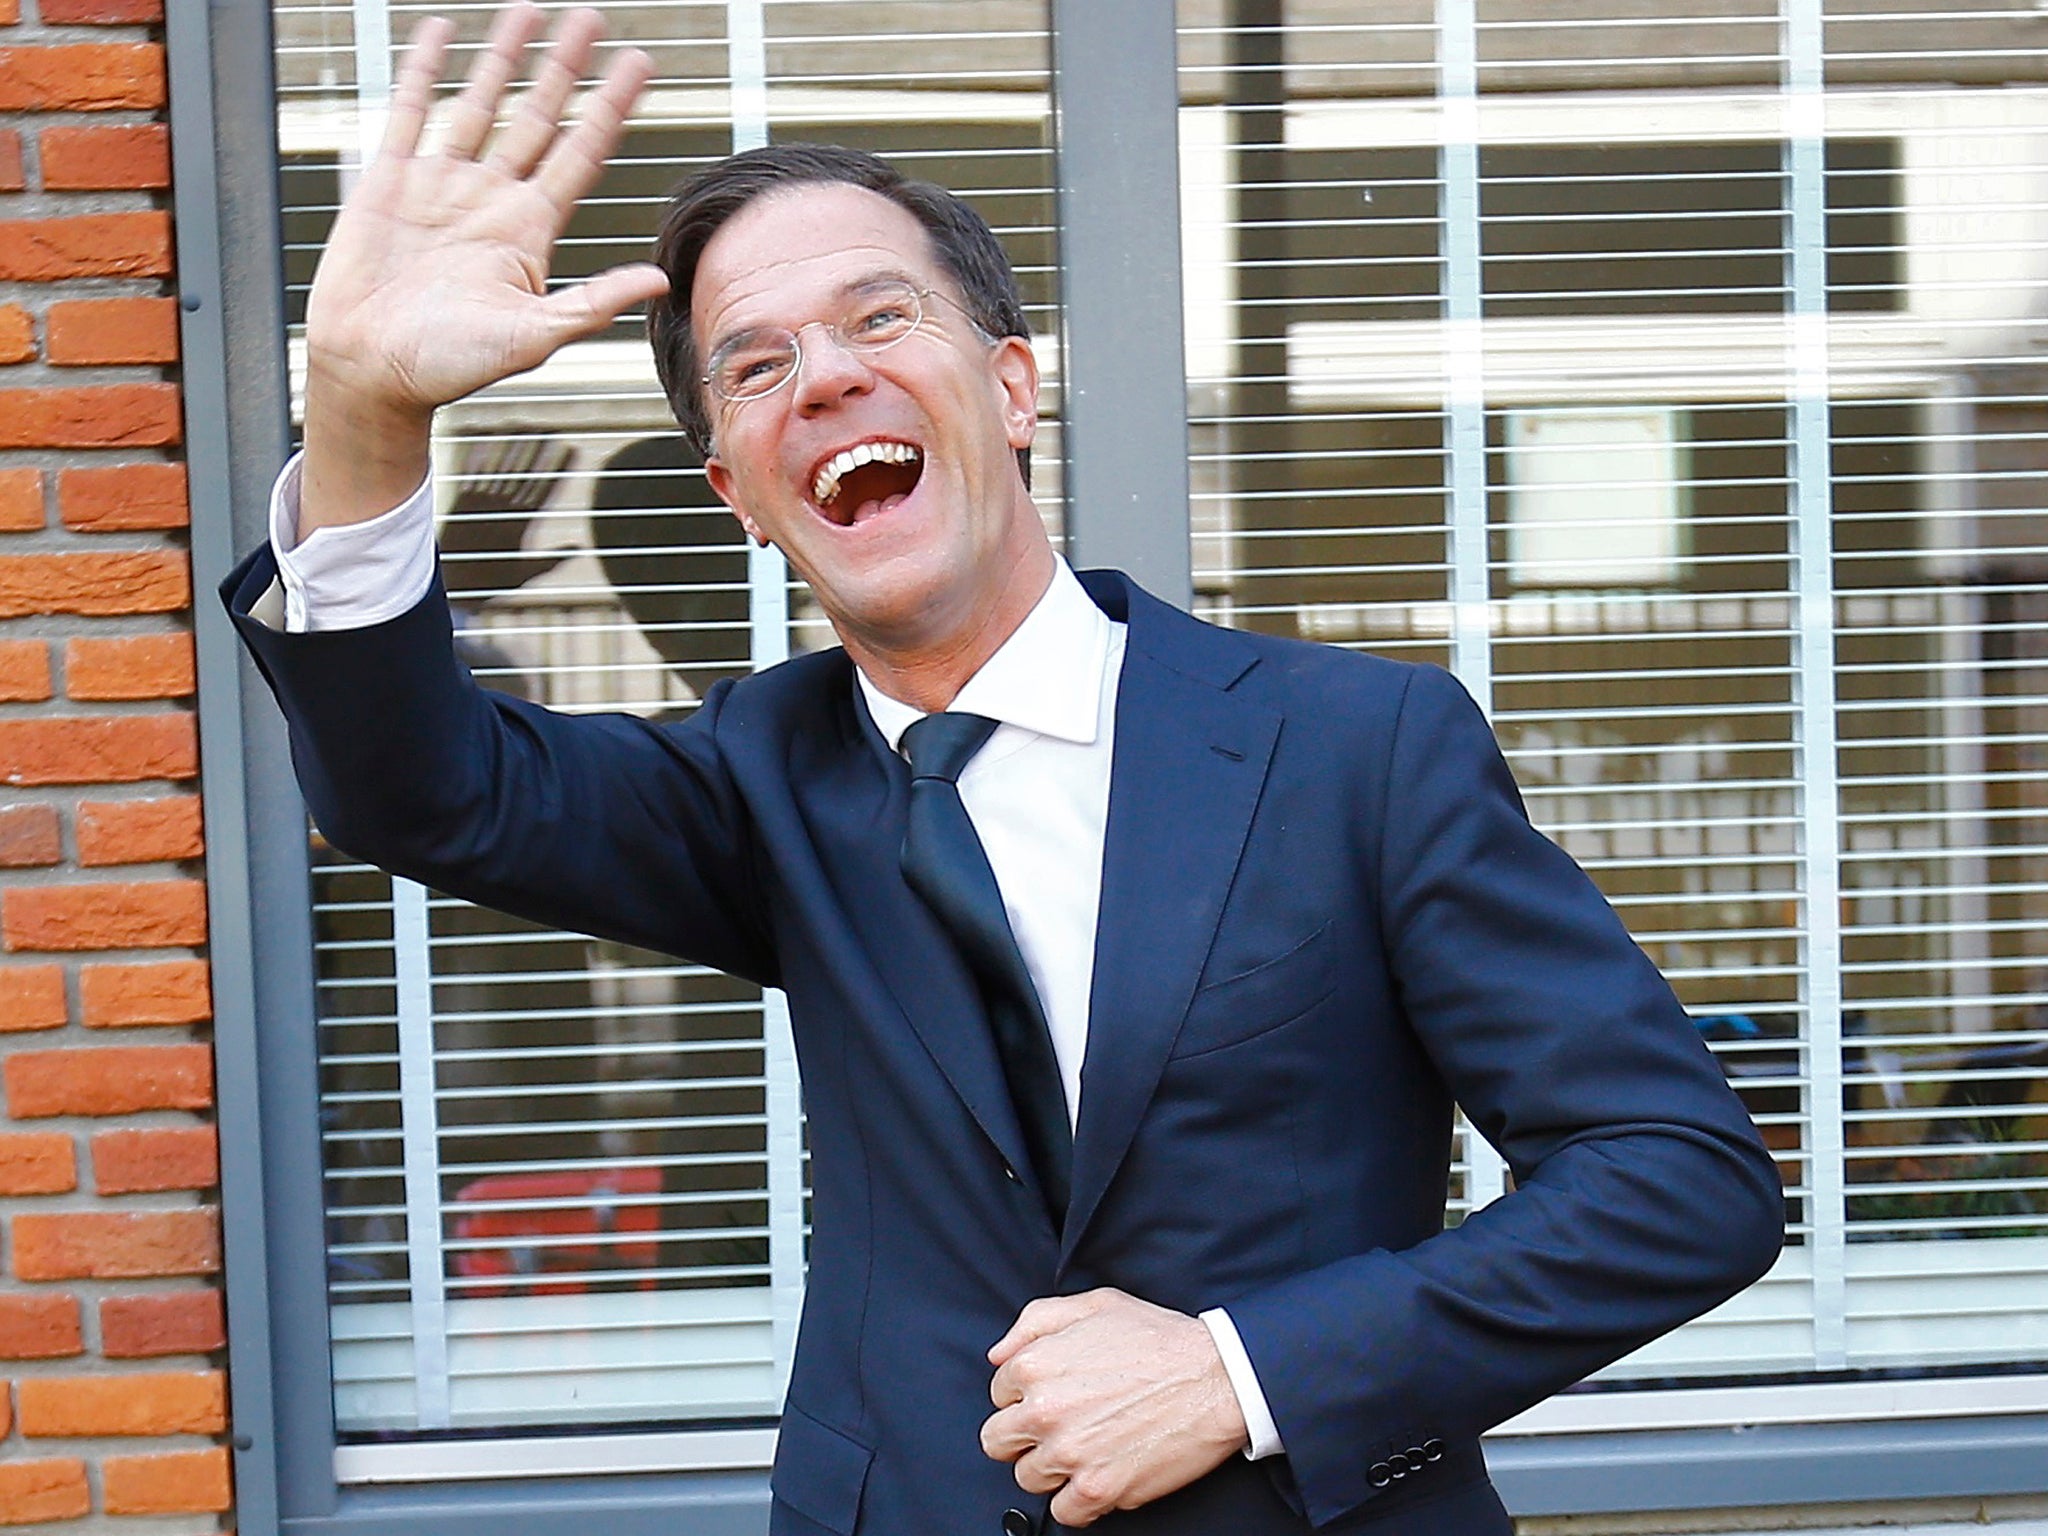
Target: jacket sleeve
1643,1195
602,823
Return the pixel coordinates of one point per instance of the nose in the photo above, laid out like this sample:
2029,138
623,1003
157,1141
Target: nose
828,371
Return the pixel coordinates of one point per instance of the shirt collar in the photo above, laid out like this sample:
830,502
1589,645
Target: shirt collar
1046,678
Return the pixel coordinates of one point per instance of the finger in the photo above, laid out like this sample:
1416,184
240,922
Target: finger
1004,1388
538,118
1048,1314
577,159
1069,1507
1003,1437
1034,1475
476,109
413,92
585,308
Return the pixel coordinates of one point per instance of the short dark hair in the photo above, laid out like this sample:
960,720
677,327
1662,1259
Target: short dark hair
962,241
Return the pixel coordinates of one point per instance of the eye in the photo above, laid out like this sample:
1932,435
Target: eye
884,320
752,370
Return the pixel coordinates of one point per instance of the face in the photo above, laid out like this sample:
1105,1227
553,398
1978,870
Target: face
932,539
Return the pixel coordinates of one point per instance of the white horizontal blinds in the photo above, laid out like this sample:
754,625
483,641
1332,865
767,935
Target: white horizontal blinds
1328,518
568,1181
1943,573
1667,374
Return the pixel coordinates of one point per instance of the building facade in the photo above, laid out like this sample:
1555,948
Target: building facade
1672,379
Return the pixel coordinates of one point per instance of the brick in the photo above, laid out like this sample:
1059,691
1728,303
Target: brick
17,334
29,836
108,1080
120,497
36,1163
121,581
39,1326
133,1162
115,1245
86,245
35,1491
132,667
10,12
31,997
177,1323
12,178
179,1482
129,157
136,914
21,500
103,416
149,992
124,749
24,671
85,332
139,831
159,1403
81,77
100,13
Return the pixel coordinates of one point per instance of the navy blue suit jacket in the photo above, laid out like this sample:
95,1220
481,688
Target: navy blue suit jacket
1324,918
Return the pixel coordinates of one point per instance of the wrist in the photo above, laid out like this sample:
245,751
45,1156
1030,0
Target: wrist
365,453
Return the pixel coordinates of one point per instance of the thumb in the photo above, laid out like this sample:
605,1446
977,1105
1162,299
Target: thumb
585,308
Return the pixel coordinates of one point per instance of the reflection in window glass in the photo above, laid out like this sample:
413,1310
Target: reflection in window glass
1710,460
566,1178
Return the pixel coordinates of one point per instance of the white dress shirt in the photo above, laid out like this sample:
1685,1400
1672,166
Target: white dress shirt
1037,792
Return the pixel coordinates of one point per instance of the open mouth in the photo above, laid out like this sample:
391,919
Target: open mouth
858,482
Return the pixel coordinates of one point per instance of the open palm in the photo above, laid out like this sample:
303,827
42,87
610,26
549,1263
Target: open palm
434,281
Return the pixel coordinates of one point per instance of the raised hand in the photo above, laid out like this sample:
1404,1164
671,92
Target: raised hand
434,280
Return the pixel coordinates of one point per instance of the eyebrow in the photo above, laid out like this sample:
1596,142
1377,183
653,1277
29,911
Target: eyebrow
845,291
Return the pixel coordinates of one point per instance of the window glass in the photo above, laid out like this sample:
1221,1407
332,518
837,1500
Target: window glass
565,1179
1669,378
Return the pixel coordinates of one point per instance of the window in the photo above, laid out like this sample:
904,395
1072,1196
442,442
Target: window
1671,379
1646,372
564,1181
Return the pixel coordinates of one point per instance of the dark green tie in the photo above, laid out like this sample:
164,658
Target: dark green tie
944,862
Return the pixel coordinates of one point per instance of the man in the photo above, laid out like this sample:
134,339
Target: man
1152,1162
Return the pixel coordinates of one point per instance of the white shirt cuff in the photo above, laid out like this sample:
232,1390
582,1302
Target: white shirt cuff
1244,1381
357,574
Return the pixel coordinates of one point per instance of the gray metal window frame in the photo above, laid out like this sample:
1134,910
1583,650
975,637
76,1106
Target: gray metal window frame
1126,439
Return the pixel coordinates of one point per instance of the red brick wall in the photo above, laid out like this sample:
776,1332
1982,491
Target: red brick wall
112,1393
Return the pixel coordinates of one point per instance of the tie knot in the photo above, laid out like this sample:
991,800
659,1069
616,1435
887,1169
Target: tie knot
940,745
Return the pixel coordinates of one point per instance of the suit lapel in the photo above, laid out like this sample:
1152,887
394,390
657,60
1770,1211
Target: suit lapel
1190,762
857,828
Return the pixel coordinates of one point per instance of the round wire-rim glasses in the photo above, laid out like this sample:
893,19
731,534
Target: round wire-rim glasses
759,362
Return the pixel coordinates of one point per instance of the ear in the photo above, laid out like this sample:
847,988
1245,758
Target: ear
719,478
1016,375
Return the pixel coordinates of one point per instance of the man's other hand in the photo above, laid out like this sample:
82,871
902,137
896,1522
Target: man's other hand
434,280
1108,1402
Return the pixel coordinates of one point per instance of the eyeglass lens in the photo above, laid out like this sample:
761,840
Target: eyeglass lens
757,362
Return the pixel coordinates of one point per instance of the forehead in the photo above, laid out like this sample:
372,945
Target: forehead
798,247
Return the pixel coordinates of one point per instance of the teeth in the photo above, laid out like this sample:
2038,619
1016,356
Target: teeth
826,485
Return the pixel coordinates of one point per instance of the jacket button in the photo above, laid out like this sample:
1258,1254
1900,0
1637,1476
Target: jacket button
1010,1174
1015,1521
1379,1474
1399,1462
1432,1450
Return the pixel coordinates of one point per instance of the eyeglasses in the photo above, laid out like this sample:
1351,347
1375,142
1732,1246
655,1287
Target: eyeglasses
759,362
